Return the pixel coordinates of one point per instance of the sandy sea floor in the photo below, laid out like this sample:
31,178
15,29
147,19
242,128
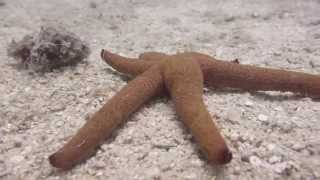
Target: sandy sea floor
272,135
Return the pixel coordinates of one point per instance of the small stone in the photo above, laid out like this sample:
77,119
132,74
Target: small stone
196,163
86,177
278,108
237,170
274,159
219,51
99,173
17,144
276,53
254,160
213,178
229,19
234,116
127,140
255,15
234,136
163,144
99,164
282,168
245,158
298,147
314,64
16,159
286,127
248,103
271,147
58,107
27,150
154,173
307,152
262,117
27,89
283,15
191,176
59,123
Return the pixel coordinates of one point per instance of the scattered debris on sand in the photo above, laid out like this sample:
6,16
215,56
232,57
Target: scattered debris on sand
52,48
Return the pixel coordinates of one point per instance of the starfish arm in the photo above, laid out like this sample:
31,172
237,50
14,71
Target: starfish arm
219,73
153,56
247,77
125,65
184,80
103,122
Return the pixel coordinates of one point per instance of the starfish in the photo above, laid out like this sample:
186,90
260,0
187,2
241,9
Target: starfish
183,76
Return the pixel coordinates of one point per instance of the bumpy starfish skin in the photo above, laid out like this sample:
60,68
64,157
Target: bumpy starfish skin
103,122
182,75
184,80
221,74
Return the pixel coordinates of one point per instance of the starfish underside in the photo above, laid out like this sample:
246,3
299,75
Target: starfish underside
183,76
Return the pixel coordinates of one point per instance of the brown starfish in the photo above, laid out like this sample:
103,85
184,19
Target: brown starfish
182,75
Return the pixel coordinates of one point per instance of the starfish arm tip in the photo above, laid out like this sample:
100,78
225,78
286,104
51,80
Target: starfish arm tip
53,160
219,156
226,157
56,162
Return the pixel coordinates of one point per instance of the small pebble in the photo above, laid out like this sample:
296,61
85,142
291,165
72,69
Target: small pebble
99,164
271,147
59,123
278,108
237,170
254,160
229,19
274,159
298,147
219,51
192,176
86,177
16,159
58,107
234,116
307,152
281,168
255,15
262,117
17,144
277,53
196,163
127,140
154,173
248,103
245,158
234,136
314,63
283,15
213,178
27,150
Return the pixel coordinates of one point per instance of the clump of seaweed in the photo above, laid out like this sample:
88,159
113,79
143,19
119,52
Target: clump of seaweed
51,48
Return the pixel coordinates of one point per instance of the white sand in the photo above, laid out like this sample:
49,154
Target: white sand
272,135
